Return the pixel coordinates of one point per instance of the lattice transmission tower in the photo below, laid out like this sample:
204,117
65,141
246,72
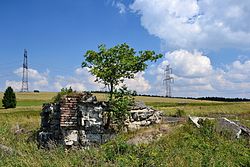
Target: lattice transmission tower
168,80
25,83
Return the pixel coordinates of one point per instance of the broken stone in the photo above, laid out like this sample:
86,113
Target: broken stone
230,127
224,125
138,105
132,126
79,120
94,138
70,137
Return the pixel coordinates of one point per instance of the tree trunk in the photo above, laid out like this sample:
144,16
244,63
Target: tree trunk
111,90
110,100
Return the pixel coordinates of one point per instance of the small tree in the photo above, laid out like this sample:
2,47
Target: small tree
111,66
9,98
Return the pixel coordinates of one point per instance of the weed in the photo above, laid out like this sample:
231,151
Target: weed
180,113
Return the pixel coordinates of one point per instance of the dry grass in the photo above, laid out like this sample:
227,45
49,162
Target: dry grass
33,96
169,100
224,109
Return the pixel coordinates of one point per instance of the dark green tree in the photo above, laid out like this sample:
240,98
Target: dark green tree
111,66
134,93
9,98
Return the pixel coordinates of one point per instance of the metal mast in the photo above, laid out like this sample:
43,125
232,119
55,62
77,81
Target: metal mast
25,85
168,80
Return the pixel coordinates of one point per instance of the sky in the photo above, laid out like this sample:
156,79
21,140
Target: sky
206,43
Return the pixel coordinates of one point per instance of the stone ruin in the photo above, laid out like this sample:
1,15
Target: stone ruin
79,121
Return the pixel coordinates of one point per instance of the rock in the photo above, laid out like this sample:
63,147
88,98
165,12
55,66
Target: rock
138,105
224,125
135,116
133,126
230,127
91,99
70,137
44,138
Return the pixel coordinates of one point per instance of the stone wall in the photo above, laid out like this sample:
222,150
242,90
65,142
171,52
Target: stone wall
78,121
141,116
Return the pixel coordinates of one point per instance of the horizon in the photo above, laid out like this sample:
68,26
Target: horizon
209,50
212,98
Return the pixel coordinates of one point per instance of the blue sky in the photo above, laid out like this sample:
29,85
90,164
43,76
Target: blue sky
207,49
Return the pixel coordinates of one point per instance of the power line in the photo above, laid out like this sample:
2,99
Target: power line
25,85
168,80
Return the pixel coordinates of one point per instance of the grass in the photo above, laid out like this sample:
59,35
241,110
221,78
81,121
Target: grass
205,109
185,146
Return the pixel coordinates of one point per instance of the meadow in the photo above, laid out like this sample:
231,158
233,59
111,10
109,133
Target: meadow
182,145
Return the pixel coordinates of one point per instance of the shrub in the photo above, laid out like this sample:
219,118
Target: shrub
207,128
120,105
9,98
64,91
134,93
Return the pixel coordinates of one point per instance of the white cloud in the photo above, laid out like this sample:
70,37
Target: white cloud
189,64
121,7
82,71
192,24
32,74
78,86
16,85
88,79
194,76
191,73
139,83
236,77
36,80
40,83
75,83
57,86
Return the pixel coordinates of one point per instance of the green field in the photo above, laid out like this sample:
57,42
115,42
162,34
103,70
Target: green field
181,145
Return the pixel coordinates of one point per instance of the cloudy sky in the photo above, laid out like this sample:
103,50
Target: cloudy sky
206,42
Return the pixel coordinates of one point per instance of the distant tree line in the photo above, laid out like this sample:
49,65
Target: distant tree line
224,99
